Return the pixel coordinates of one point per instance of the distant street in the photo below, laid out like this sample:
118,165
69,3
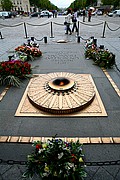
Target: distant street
10,21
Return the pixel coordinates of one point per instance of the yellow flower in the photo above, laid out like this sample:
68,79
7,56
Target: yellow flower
81,159
46,169
55,173
44,145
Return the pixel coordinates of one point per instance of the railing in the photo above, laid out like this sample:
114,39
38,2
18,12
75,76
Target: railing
105,25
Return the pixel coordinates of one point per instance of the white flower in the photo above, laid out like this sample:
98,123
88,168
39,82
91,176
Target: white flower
45,175
60,155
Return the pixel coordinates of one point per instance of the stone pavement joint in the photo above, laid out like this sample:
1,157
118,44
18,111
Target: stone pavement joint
82,140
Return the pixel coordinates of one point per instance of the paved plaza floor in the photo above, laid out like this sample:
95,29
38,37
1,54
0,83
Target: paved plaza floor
62,57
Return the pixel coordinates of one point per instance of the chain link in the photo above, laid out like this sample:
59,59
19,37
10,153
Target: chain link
38,24
105,163
12,162
112,29
12,25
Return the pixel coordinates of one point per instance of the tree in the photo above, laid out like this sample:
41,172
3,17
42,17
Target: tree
107,2
115,3
43,4
6,5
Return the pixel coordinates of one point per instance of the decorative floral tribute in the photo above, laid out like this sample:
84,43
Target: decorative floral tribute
56,159
12,71
101,57
30,51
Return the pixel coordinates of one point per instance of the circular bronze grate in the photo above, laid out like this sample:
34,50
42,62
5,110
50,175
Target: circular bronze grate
61,92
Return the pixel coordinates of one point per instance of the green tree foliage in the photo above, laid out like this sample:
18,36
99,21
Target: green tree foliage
80,4
6,5
115,3
107,2
43,4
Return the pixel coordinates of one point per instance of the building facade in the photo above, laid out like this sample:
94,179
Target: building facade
20,6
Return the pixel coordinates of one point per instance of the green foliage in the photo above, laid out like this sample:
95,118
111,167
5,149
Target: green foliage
43,4
56,159
77,4
115,3
6,5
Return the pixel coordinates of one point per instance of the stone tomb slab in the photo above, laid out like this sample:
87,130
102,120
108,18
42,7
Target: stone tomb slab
26,108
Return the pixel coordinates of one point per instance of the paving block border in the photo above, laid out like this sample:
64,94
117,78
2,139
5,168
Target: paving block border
82,140
111,81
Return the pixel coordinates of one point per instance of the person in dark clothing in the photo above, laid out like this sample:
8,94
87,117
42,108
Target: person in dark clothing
74,20
84,14
89,15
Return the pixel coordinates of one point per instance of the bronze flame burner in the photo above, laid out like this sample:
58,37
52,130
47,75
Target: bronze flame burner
61,93
61,84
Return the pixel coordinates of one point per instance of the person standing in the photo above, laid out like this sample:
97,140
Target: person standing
68,21
55,13
89,15
74,20
84,14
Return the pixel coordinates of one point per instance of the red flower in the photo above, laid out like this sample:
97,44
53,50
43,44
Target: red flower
22,69
73,159
7,69
12,71
38,146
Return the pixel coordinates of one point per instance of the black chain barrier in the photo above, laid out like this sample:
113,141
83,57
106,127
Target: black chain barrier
38,24
11,25
91,24
25,29
102,163
112,29
85,39
45,39
39,39
58,24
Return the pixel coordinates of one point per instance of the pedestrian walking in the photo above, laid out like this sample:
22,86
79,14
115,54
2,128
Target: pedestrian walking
74,20
68,19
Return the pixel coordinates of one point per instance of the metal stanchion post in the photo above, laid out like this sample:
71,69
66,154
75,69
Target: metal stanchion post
1,35
103,36
95,42
25,30
32,38
78,39
101,46
78,28
45,39
51,31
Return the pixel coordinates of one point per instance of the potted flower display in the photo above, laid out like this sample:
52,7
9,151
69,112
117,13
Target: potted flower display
56,159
